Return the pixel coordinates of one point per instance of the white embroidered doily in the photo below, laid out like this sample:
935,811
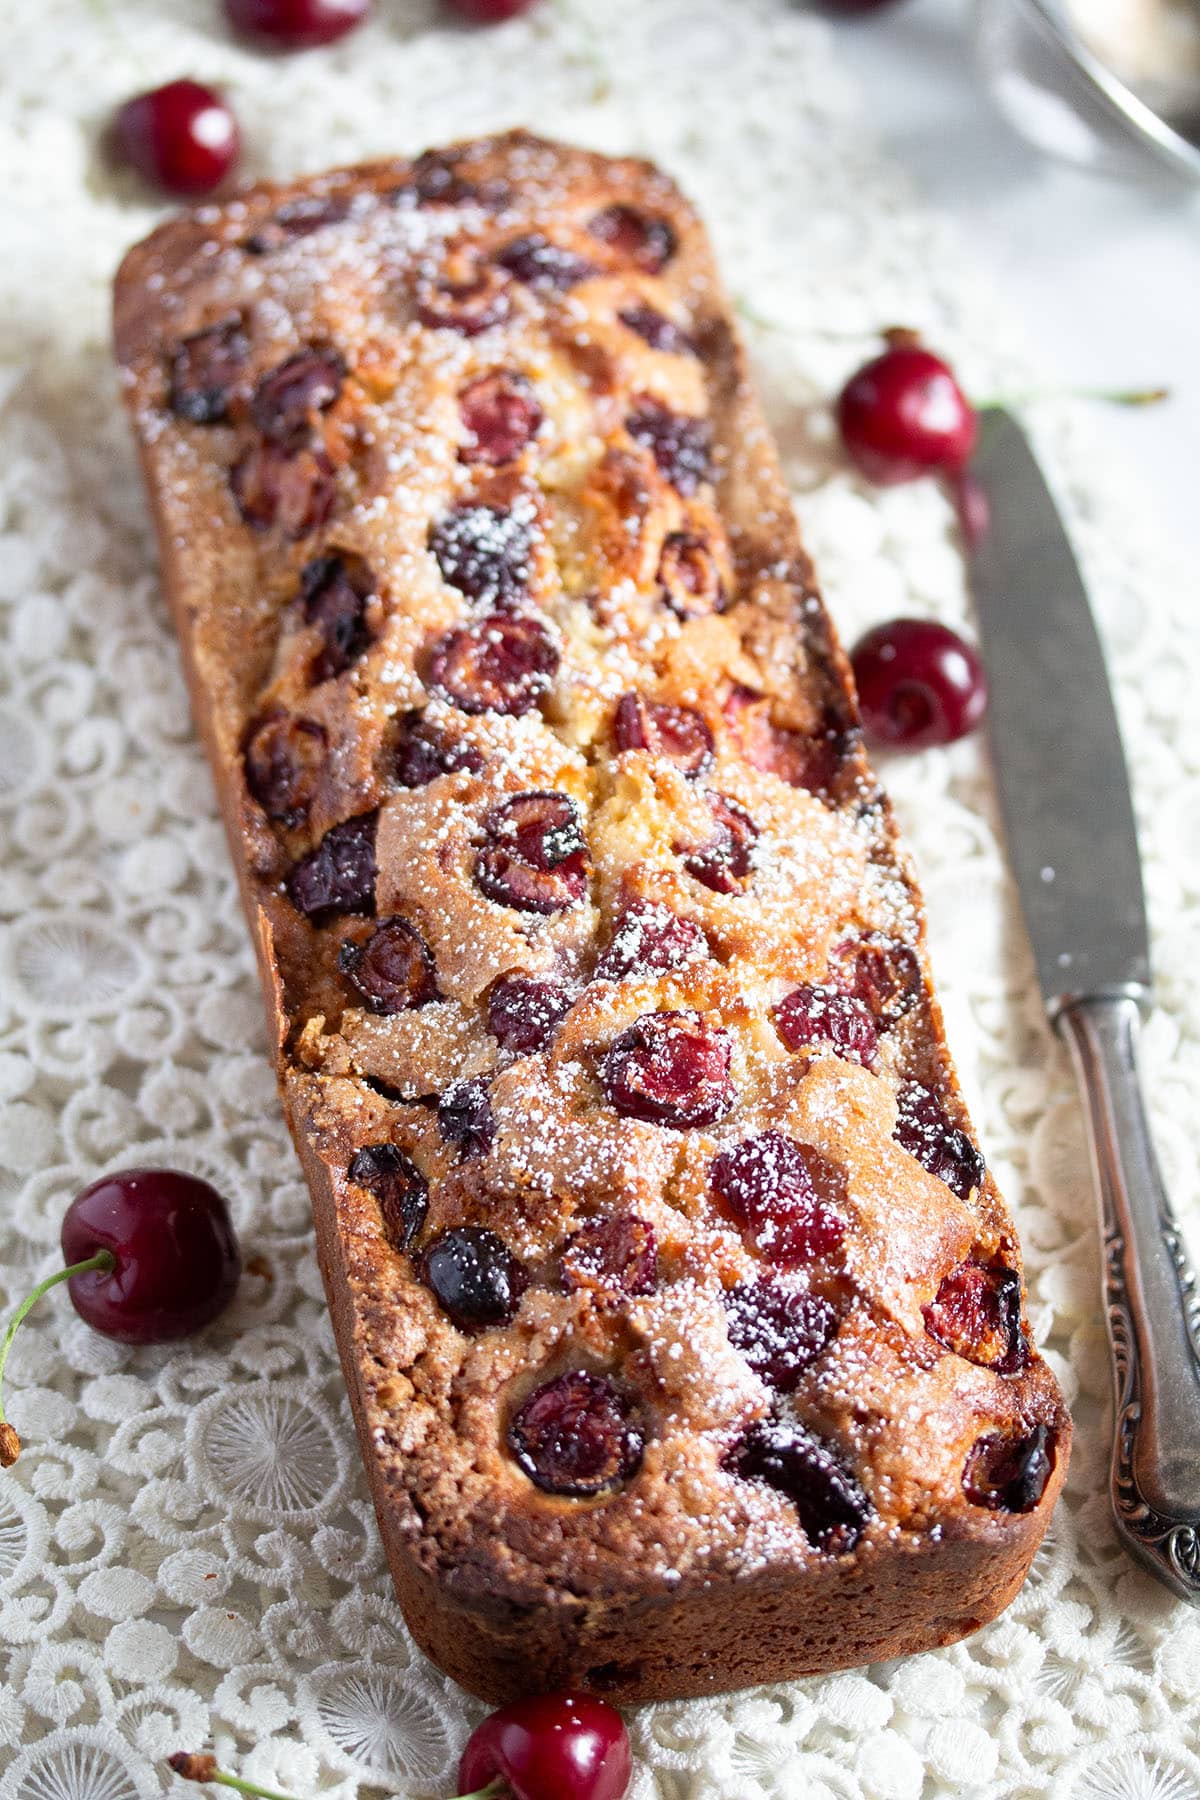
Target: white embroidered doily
187,1554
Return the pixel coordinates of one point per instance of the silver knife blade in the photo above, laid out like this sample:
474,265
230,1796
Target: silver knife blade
1056,746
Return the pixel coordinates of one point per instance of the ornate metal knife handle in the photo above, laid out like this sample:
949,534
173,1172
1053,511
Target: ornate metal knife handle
1153,1305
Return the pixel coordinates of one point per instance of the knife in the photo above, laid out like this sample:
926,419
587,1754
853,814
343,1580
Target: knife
1064,795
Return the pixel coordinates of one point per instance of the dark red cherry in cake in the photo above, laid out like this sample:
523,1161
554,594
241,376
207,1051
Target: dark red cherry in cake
779,1330
577,1435
919,683
181,137
677,734
1009,1473
500,414
474,1277
822,1015
550,1747
392,970
296,24
524,1012
787,1197
976,1312
670,1068
903,414
644,239
535,855
650,939
339,875
725,860
611,1259
490,12
833,1509
399,1187
925,1129
503,664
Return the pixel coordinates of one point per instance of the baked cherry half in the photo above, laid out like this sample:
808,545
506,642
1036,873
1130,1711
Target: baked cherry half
543,265
650,939
724,862
779,1330
423,750
680,444
339,875
334,592
486,552
289,399
474,1277
670,1068
535,857
501,664
884,974
181,137
272,487
206,369
577,1435
151,1257
919,683
833,1508
500,415
524,1012
392,969
611,1259
822,1015
1009,1473
399,1187
550,1747
976,1312
284,760
688,576
644,239
903,414
465,1115
788,1199
925,1129
677,734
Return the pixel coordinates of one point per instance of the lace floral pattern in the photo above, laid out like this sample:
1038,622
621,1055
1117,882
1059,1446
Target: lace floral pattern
187,1553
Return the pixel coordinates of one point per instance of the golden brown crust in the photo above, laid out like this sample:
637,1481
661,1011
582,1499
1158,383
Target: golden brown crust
668,568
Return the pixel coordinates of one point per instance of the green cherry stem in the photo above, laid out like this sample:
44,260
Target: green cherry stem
1111,396
195,1766
495,1790
10,1443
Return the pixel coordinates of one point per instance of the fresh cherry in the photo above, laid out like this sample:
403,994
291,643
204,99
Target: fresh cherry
490,12
182,137
919,683
903,414
549,1747
151,1257
296,24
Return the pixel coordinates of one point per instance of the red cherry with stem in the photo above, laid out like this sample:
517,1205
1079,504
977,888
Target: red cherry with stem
151,1256
490,12
903,414
549,1747
919,683
181,137
296,24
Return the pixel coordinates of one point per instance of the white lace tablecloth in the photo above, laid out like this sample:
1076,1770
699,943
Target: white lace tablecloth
187,1553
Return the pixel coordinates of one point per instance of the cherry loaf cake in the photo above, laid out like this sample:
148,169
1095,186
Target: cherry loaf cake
682,1322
